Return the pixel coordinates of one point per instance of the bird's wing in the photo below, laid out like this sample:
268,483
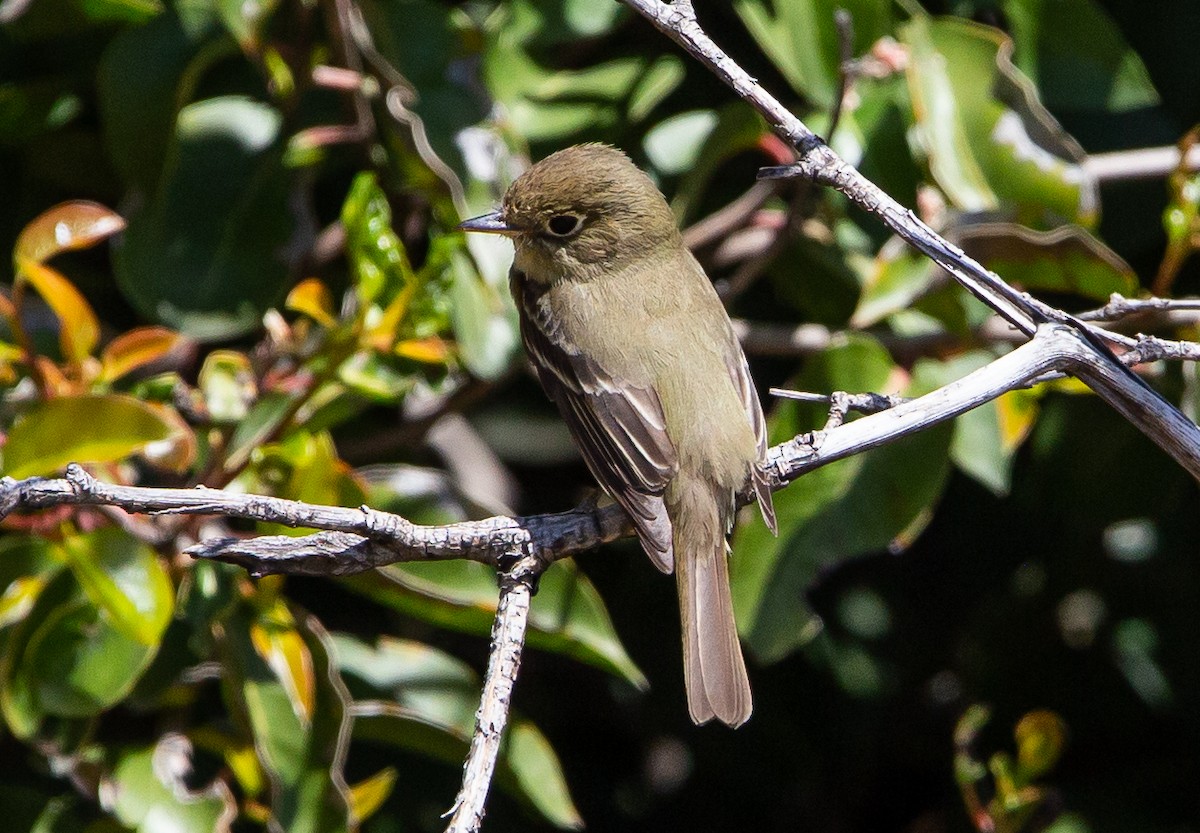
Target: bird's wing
735,362
619,428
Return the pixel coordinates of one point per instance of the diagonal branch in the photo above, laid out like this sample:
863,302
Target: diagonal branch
1132,397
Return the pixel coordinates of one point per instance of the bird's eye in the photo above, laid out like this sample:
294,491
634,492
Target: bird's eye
562,225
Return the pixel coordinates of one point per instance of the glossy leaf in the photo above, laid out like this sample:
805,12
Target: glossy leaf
26,565
203,254
377,257
551,103
228,386
136,348
312,298
68,226
568,616
860,505
306,467
1066,260
150,792
281,647
126,579
67,659
87,429
484,323
78,327
990,142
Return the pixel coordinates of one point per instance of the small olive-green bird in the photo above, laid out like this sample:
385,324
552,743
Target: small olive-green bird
629,339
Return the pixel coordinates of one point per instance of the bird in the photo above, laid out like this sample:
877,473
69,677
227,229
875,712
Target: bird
627,336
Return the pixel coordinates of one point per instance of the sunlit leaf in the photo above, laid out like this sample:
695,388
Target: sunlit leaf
377,256
136,348
367,796
65,227
79,329
986,438
432,350
278,644
151,792
312,298
305,466
86,429
483,321
990,141
307,792
228,385
26,565
126,579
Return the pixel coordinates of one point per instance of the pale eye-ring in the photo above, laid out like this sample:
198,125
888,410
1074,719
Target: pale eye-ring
563,225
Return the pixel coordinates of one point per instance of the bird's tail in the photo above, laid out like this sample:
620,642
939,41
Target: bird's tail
714,671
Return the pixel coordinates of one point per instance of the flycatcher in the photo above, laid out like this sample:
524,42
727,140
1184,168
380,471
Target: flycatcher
629,338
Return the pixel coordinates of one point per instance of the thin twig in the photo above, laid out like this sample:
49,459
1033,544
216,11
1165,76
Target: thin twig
847,68
1119,306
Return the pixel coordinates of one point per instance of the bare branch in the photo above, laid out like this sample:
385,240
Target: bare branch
517,586
1119,307
1141,163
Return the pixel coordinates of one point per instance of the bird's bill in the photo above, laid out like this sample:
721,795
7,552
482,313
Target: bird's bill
490,223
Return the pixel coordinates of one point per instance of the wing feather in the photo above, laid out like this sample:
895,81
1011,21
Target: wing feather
619,427
739,371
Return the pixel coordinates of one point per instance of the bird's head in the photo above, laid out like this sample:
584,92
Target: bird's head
579,213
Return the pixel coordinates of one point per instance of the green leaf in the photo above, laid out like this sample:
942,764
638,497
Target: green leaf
1067,260
150,792
305,466
801,40
246,19
738,128
203,255
67,659
547,103
126,579
674,144
300,746
84,429
377,257
1078,57
139,83
434,715
264,419
989,140
864,504
986,438
567,617
484,321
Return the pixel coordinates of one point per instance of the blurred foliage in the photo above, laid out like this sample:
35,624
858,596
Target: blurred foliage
234,264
